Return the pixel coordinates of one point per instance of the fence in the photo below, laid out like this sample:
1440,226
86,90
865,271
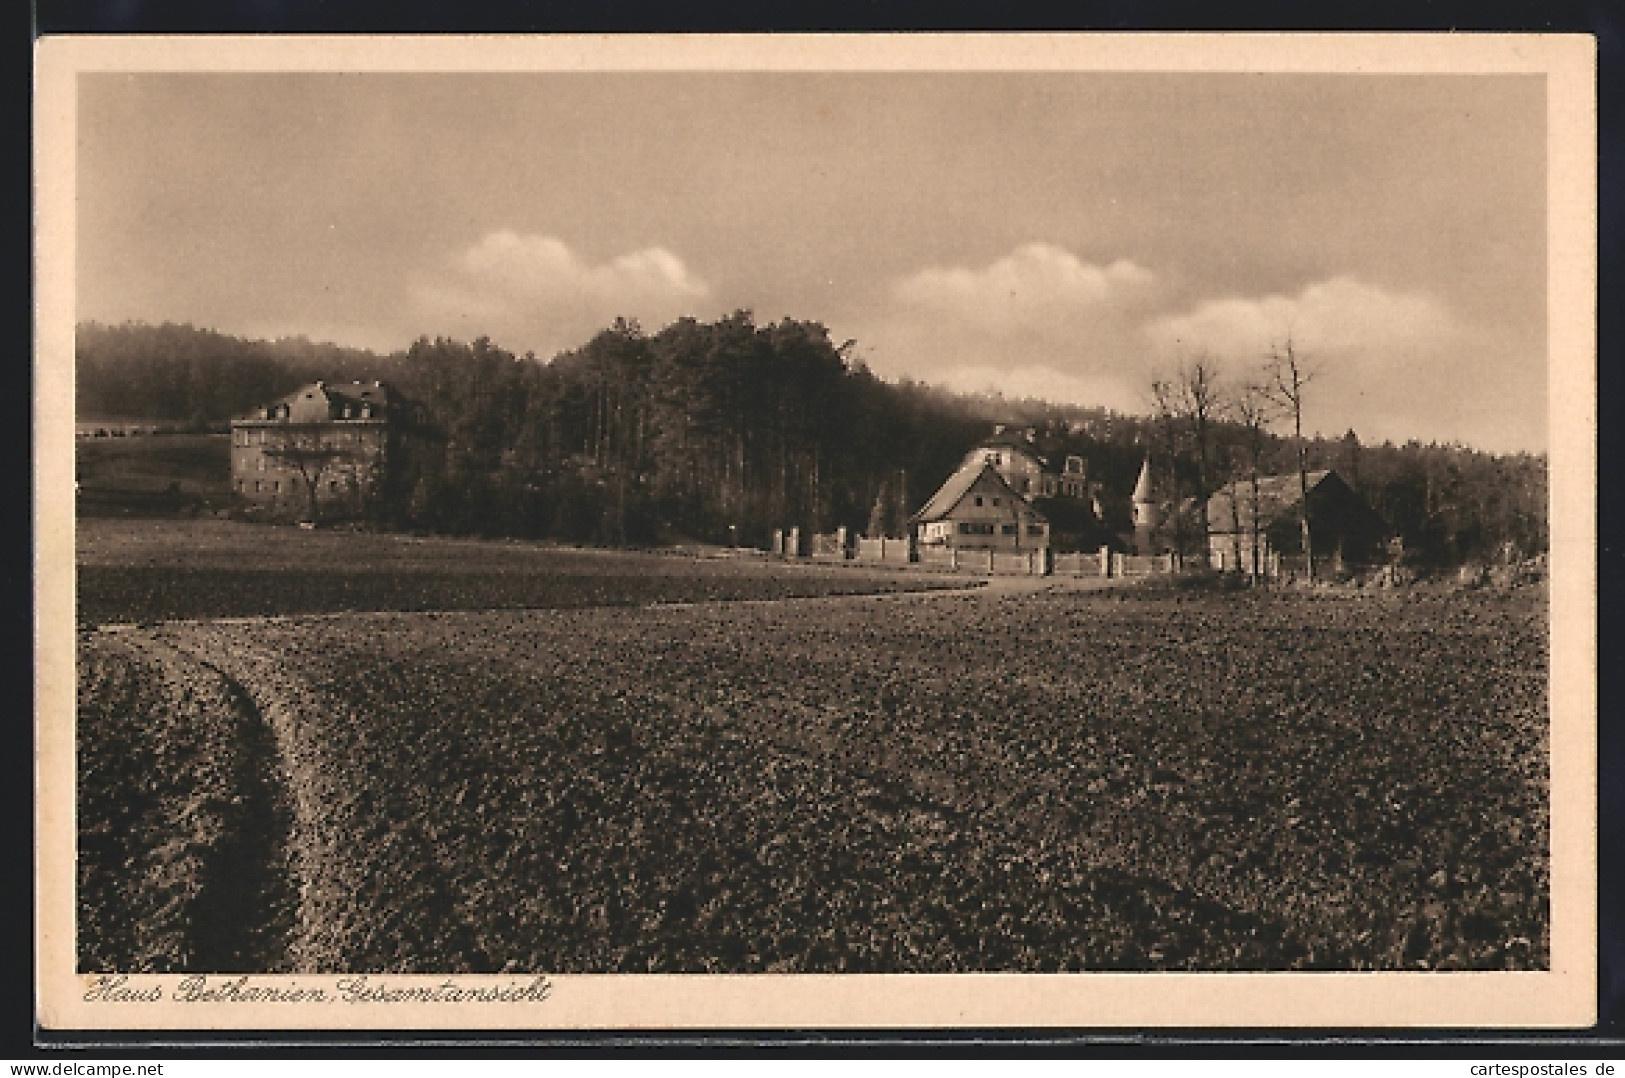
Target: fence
1020,562
787,543
986,562
892,551
1143,564
829,546
840,546
1080,564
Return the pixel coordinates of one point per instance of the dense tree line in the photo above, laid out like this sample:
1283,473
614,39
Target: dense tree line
725,430
197,376
719,431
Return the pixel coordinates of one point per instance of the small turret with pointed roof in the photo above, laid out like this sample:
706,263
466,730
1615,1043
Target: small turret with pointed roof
1142,490
1145,510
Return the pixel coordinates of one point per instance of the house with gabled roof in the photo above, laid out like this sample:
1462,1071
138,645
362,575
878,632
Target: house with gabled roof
978,509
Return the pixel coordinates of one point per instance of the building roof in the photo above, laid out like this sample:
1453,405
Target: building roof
1008,443
1142,489
376,392
1278,495
954,489
380,395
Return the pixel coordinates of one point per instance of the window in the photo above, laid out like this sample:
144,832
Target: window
333,485
261,461
239,485
257,486
975,529
1011,529
978,500
1035,529
995,503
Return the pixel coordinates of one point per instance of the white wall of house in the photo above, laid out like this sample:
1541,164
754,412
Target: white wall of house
989,517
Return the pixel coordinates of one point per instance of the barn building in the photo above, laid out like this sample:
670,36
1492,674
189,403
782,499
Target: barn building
1244,531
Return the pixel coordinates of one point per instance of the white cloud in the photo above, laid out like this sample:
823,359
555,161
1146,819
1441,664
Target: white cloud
1040,322
1342,320
1391,365
1036,287
534,292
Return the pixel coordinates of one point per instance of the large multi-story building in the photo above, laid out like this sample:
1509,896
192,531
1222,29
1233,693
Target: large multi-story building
323,451
1015,458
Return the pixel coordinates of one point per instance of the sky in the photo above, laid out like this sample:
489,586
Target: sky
1070,236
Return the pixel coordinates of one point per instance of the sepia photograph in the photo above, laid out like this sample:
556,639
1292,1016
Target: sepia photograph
1047,507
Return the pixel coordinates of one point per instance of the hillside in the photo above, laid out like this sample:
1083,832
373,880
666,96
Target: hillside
724,431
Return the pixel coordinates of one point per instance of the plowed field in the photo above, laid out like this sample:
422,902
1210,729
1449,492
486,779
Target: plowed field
960,782
135,571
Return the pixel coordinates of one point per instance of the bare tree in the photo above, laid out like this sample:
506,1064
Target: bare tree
1200,399
1288,375
310,457
1254,411
1186,407
1165,399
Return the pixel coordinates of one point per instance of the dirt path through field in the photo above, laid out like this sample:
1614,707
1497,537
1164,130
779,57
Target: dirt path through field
1000,587
181,791
341,920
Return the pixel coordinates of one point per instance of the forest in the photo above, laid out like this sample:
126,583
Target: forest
722,431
